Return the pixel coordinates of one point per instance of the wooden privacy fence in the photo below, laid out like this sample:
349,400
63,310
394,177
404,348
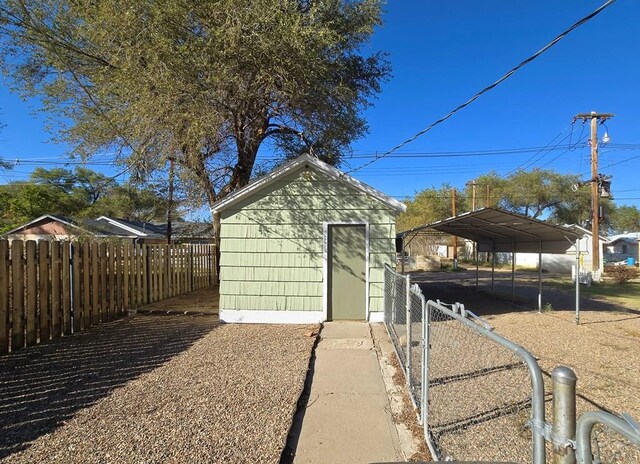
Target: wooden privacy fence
51,289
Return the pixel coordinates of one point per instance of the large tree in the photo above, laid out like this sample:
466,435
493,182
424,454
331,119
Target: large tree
625,218
200,83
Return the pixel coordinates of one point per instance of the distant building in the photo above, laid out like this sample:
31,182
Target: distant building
50,227
622,247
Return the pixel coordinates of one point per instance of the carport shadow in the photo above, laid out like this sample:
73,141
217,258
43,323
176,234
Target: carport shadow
43,386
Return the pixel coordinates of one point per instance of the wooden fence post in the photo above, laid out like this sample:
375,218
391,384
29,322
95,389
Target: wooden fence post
17,276
189,268
43,290
145,273
32,293
111,314
92,280
4,296
103,284
77,261
67,294
126,256
56,289
119,279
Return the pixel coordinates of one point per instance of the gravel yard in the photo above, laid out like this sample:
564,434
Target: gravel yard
229,397
478,402
604,351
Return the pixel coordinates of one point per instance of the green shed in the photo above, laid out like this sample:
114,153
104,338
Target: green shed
306,243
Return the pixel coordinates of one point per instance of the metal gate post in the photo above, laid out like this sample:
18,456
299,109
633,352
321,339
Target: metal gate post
578,281
393,299
564,415
426,316
408,323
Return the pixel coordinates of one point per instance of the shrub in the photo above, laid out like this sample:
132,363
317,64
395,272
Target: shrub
621,274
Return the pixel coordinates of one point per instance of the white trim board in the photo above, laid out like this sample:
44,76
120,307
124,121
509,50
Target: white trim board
271,317
377,316
117,223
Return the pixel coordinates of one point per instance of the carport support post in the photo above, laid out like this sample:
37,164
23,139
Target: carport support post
513,273
578,281
540,276
493,271
475,250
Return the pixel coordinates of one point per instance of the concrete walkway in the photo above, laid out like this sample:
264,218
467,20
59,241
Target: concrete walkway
347,418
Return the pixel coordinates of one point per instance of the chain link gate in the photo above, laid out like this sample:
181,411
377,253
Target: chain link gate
481,397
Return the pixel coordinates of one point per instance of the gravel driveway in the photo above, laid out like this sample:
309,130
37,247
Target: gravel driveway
228,397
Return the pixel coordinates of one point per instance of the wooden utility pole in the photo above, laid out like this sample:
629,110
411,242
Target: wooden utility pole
455,238
473,195
473,186
488,198
595,187
170,200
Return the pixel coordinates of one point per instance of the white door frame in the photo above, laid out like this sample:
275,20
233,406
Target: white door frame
325,263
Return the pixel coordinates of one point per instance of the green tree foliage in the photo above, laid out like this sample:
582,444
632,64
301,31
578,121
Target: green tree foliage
202,83
625,219
542,194
430,205
535,193
76,194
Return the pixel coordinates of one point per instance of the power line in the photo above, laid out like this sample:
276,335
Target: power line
490,87
527,162
568,149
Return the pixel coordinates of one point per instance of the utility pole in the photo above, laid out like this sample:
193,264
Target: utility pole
595,187
455,237
170,200
488,198
473,194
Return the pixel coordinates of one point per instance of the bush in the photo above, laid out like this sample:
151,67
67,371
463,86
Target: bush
621,274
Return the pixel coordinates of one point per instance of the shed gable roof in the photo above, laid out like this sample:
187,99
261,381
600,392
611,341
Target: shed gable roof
304,160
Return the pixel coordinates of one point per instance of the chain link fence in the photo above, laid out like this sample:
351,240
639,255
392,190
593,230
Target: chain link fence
479,393
395,311
481,397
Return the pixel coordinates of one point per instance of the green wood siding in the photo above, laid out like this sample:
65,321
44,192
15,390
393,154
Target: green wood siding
272,243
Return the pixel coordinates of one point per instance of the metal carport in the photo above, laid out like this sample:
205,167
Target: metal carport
496,230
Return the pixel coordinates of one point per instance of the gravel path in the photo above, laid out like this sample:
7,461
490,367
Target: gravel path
230,397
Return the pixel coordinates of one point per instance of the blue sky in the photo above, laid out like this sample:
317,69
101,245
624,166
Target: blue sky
441,54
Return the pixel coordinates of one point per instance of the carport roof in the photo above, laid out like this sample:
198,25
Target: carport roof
494,229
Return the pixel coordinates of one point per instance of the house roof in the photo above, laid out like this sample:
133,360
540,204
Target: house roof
51,217
135,228
106,226
630,237
300,162
584,231
495,229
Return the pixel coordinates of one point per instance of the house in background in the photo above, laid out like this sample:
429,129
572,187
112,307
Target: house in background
304,244
565,262
53,227
623,247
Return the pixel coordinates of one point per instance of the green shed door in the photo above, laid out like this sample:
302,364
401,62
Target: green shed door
347,272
